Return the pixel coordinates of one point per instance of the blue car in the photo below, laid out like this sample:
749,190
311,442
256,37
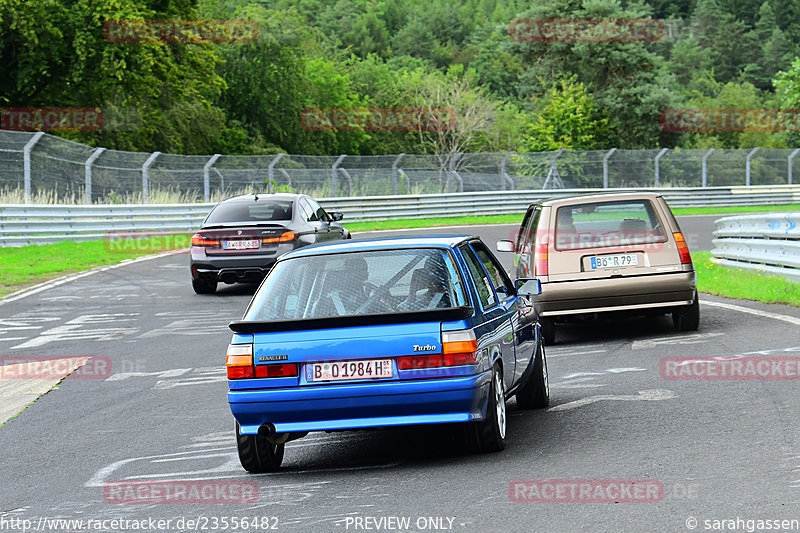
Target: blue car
377,333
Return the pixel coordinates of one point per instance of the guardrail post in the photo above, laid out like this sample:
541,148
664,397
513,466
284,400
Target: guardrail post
334,171
271,172
207,177
657,163
789,173
605,167
453,160
146,177
749,157
705,166
503,174
394,173
26,164
88,173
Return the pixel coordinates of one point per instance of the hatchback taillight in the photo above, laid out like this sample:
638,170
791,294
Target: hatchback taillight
458,348
683,249
239,361
540,259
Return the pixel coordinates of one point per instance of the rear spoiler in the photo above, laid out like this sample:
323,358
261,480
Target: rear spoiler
433,315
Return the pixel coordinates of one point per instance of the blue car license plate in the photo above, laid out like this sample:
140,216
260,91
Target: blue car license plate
346,370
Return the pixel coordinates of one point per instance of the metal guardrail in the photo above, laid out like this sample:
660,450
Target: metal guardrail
768,242
40,224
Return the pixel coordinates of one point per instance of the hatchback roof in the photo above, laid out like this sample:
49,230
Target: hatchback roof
385,243
263,196
598,197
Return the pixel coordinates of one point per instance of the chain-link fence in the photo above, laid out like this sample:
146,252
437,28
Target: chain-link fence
42,168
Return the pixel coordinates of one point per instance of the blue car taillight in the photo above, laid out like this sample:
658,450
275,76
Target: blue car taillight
239,362
458,348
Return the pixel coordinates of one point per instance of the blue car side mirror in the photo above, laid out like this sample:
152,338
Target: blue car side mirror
528,286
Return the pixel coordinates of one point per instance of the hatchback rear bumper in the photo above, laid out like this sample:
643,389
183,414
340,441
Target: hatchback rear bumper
617,294
362,405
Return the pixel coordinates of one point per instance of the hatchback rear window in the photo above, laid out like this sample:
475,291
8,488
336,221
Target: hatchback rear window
358,283
604,224
262,210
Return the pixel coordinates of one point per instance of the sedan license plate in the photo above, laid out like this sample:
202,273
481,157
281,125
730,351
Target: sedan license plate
241,245
614,261
342,370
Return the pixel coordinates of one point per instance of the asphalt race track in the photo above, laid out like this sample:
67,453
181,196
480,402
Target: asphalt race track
715,449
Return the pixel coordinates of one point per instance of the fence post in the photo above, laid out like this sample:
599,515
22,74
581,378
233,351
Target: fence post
657,162
394,173
26,164
503,174
705,166
553,170
207,177
791,157
88,173
749,157
453,160
146,177
271,171
605,167
334,171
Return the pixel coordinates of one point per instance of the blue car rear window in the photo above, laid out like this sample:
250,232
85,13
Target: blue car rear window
358,283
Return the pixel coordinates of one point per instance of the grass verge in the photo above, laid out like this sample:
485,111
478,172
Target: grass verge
516,218
742,284
27,265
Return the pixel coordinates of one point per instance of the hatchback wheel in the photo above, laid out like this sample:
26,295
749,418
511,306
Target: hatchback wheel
536,392
257,455
490,434
201,286
548,330
687,318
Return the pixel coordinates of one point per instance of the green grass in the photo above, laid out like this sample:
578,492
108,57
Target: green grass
27,265
21,267
516,218
679,211
743,284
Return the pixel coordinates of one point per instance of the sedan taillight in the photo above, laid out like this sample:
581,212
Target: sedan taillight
199,240
286,236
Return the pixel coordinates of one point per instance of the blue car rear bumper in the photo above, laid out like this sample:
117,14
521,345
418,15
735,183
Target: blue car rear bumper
362,405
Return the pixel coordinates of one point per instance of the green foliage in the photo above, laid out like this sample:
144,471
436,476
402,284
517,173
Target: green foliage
566,117
248,98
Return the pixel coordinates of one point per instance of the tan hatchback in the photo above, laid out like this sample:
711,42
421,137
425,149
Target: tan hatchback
606,253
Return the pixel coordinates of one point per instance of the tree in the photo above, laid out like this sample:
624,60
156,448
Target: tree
566,117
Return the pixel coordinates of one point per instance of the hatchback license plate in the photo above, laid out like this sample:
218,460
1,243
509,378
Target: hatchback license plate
613,261
342,370
241,245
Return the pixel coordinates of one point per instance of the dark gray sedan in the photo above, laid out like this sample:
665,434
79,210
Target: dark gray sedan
242,237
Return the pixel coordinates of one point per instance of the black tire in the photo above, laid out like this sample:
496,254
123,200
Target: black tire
687,318
548,330
536,392
257,455
489,435
204,287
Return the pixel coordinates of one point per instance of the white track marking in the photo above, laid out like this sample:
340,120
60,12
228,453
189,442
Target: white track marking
696,338
644,395
757,312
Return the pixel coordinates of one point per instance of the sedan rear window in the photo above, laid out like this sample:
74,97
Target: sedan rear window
358,283
604,224
262,210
